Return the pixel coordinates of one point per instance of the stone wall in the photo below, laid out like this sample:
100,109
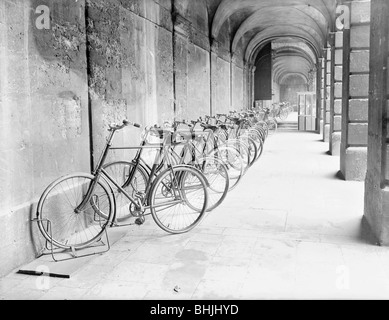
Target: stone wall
289,90
65,78
44,112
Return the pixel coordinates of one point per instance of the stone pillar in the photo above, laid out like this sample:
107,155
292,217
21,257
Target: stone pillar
323,94
319,104
252,69
327,92
336,110
377,179
356,44
213,66
245,87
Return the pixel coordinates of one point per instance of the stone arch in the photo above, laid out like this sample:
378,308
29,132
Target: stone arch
270,16
274,33
228,7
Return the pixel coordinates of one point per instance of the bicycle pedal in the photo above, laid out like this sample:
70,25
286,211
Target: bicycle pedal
140,221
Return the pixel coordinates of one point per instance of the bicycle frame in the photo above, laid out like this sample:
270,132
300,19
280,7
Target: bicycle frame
101,172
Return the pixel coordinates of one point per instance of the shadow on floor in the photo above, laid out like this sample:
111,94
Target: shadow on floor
339,175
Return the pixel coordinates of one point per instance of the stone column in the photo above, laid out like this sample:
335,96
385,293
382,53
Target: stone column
377,179
356,44
323,94
252,70
246,87
327,92
319,104
336,110
213,66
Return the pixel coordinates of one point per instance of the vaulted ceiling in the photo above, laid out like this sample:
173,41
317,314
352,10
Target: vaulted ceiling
298,29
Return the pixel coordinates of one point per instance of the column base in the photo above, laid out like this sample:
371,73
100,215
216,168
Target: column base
377,214
326,136
321,128
354,163
335,143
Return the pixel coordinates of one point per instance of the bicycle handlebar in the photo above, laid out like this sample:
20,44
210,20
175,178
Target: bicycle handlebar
126,123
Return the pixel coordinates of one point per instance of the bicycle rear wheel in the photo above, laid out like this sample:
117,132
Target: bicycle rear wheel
78,208
234,164
273,126
216,173
284,114
179,199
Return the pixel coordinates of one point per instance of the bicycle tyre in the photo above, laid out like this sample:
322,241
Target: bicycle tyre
234,164
216,173
69,228
170,207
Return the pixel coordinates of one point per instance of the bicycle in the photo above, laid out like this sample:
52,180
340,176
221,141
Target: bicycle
81,206
179,150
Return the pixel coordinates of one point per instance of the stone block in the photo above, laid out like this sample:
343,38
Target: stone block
328,106
338,107
335,143
357,134
360,12
359,110
328,92
359,61
355,166
387,164
339,73
376,213
21,241
359,85
360,36
327,130
329,79
338,56
337,123
339,39
338,90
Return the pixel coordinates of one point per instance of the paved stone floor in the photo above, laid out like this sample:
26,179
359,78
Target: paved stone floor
291,230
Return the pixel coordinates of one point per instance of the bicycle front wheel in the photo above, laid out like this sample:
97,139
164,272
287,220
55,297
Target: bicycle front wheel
179,199
74,211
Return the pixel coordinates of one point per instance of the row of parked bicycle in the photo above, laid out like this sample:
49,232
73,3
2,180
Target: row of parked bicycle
195,164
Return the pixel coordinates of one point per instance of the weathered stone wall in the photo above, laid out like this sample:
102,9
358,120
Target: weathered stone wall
97,62
44,112
130,64
289,90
